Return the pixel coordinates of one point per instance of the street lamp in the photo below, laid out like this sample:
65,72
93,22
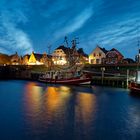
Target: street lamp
102,69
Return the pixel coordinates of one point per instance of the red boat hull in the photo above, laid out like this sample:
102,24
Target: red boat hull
72,81
134,87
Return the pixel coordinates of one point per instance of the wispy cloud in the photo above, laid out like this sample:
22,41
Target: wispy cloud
105,22
75,24
12,37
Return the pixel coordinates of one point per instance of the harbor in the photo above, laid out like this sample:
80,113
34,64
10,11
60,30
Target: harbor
69,70
111,76
45,111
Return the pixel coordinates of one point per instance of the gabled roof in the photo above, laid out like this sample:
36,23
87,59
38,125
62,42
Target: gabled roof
104,50
49,56
129,60
82,53
113,49
61,47
4,58
38,56
13,56
26,55
65,49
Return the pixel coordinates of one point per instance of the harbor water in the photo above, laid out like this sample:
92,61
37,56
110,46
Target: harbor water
38,111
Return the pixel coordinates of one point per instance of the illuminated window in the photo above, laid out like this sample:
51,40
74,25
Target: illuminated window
97,61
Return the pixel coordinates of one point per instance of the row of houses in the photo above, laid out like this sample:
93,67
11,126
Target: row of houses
102,56
63,55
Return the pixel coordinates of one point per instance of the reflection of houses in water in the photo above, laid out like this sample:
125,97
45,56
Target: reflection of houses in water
61,106
33,100
85,107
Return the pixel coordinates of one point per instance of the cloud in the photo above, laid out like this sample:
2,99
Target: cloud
75,24
27,22
12,37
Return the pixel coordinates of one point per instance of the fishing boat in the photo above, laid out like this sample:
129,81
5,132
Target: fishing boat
70,81
135,85
70,72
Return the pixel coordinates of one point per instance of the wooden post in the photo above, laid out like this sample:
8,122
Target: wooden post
102,69
127,78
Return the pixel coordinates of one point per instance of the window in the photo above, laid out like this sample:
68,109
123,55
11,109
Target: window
94,54
92,61
60,57
100,54
97,61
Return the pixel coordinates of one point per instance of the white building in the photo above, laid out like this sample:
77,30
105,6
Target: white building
59,56
97,55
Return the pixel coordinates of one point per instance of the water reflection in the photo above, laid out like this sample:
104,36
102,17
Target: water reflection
85,114
50,112
85,107
55,107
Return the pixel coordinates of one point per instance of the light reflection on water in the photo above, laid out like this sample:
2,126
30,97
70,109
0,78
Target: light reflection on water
60,112
57,109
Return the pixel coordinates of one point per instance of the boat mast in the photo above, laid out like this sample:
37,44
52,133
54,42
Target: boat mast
49,49
66,41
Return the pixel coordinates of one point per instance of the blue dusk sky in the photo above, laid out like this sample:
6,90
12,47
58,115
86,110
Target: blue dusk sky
33,25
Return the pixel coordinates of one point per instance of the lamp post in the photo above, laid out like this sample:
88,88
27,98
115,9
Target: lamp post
102,69
127,79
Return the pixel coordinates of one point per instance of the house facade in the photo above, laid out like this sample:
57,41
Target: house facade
97,55
82,56
15,59
4,59
113,57
37,59
59,56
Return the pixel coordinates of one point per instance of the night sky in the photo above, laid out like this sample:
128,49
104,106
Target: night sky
33,25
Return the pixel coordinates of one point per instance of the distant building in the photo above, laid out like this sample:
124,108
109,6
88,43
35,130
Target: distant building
63,55
32,60
4,59
60,55
128,61
37,59
25,59
46,60
15,59
97,55
113,57
83,57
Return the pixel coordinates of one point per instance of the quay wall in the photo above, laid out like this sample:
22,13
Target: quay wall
107,75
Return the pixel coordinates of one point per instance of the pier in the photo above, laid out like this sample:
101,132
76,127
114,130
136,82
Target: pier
107,75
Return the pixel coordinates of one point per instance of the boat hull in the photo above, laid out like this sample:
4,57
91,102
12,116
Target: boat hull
72,81
135,88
